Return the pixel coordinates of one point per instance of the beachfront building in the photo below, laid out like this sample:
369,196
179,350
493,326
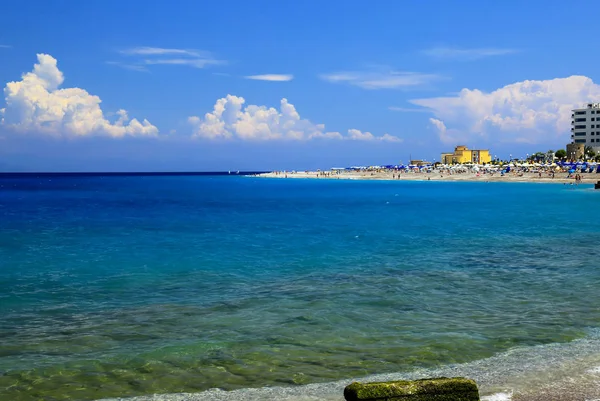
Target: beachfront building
420,162
575,151
462,154
585,126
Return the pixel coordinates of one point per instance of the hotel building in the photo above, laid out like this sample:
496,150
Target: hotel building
462,154
585,126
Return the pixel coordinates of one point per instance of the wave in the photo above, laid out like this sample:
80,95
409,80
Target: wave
558,371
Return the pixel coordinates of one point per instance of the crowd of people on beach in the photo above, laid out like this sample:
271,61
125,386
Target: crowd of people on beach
516,171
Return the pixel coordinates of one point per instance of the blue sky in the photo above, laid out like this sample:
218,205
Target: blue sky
108,86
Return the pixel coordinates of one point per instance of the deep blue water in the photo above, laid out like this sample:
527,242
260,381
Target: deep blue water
142,284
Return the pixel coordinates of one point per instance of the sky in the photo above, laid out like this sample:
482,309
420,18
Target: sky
276,85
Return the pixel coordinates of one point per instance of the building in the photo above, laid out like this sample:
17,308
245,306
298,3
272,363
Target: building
462,154
585,126
420,162
575,151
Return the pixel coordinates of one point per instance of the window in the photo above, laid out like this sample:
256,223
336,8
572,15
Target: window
580,133
578,120
580,127
580,113
579,140
593,119
593,126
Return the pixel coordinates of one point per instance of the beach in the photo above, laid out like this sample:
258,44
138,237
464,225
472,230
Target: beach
532,177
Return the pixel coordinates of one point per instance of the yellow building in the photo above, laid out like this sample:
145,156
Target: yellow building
462,154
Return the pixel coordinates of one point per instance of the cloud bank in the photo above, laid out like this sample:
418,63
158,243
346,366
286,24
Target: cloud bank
36,104
522,112
232,119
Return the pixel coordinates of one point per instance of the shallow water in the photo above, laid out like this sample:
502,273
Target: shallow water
123,286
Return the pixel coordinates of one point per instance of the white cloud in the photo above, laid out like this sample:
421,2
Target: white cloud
133,67
158,55
35,104
159,51
382,79
389,138
271,77
194,62
527,111
466,54
231,119
326,135
447,136
358,135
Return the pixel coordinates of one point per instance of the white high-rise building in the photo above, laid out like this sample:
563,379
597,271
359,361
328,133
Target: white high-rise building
585,125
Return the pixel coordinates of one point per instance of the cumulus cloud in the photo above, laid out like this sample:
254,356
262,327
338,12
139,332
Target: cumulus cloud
382,79
358,135
466,54
447,136
527,111
389,138
36,104
271,77
231,119
326,135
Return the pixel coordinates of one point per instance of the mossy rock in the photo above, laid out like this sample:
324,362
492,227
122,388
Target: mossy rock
436,389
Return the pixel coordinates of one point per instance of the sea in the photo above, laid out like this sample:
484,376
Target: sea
237,287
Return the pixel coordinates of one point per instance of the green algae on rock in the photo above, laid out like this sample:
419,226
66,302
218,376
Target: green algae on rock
436,389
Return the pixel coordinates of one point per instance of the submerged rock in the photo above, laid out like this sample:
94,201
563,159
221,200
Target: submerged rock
437,389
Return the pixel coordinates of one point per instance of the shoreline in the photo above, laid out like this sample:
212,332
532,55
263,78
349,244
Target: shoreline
559,178
566,371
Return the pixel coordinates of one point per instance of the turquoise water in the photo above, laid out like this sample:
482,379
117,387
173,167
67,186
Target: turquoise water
122,286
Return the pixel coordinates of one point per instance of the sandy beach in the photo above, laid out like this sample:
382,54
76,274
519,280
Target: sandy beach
558,178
